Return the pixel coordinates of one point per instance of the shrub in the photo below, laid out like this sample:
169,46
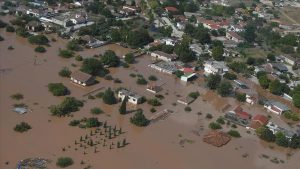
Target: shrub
92,122
194,95
65,53
230,76
74,123
40,49
22,127
234,133
2,24
152,110
154,102
187,109
141,81
10,29
225,88
10,48
209,116
241,97
220,120
99,95
132,75
38,40
152,78
108,77
96,111
291,115
65,72
117,80
68,105
109,97
58,89
178,73
1,38
17,96
78,58
64,162
139,119
215,126
129,58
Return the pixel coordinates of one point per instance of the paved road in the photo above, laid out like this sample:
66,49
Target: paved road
176,32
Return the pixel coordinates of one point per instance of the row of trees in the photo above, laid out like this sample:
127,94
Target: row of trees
214,82
279,138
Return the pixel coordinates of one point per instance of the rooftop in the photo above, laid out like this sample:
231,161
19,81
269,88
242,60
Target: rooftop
81,76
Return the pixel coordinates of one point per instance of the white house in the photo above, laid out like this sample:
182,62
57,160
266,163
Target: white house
164,56
275,129
276,107
131,97
215,67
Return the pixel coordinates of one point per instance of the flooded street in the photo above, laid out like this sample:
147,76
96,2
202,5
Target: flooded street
154,147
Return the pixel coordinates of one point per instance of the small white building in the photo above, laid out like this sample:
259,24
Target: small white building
164,56
215,67
131,96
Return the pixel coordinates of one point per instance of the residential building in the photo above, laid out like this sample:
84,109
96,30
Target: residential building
164,56
82,78
234,36
215,67
131,96
185,100
275,129
258,121
238,116
276,107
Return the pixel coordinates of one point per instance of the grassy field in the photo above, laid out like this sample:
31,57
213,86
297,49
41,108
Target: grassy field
290,15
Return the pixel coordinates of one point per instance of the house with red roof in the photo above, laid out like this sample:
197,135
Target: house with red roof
209,24
238,116
258,121
171,9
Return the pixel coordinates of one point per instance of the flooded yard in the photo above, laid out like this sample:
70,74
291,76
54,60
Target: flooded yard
156,146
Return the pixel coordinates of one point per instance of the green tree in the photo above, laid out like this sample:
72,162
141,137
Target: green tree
65,72
122,108
295,141
38,40
139,119
215,126
276,87
129,58
109,97
63,162
264,81
65,53
213,81
68,105
241,97
234,133
217,53
281,139
22,127
266,134
225,88
110,59
58,89
91,66
92,122
296,99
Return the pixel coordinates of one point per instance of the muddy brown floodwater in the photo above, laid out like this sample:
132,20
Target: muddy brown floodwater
154,147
